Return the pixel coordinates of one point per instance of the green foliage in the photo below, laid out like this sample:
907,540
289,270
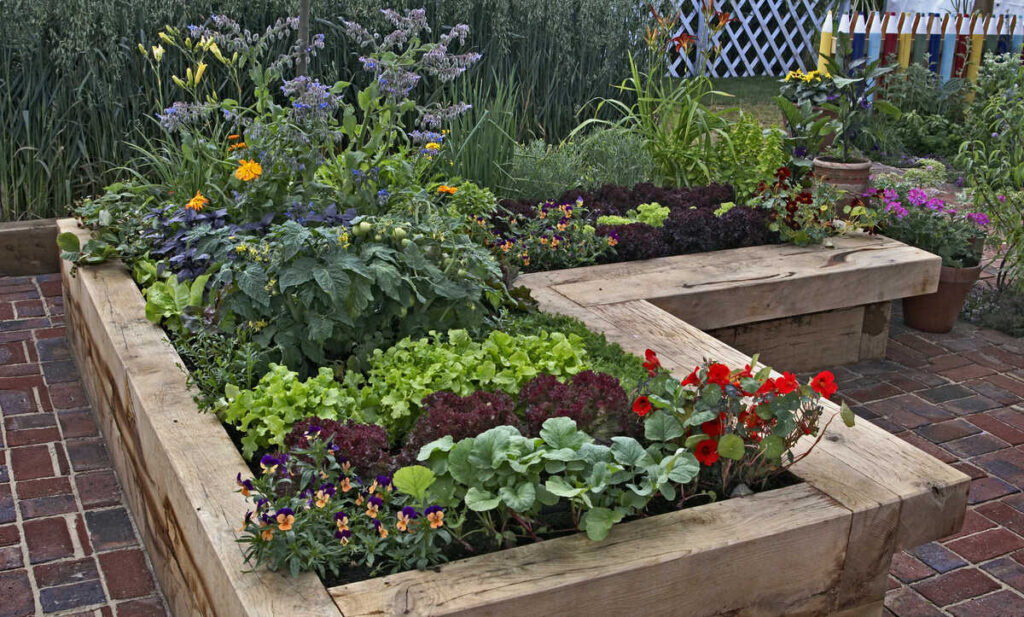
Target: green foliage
653,214
918,90
749,156
927,173
266,413
481,144
603,356
559,236
401,376
806,216
324,293
167,300
504,476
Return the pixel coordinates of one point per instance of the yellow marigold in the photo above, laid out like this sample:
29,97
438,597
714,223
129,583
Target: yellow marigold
198,202
248,170
432,146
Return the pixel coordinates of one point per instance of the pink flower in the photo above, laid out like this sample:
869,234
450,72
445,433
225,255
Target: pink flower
1002,199
891,195
917,197
978,218
935,204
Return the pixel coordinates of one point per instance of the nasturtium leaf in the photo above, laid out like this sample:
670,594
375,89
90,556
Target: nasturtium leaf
69,242
847,414
730,446
597,522
773,447
692,441
479,500
520,498
662,426
414,481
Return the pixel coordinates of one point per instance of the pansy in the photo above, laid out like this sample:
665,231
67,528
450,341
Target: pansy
285,518
373,504
246,485
248,170
246,521
341,520
613,239
385,482
343,535
642,406
323,495
381,529
707,452
312,432
434,514
824,383
346,485
651,363
269,463
405,516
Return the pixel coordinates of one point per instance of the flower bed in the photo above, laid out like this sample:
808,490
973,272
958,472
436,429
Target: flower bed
827,527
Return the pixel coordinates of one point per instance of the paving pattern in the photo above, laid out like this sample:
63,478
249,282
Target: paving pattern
68,545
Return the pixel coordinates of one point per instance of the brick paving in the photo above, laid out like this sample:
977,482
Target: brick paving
959,397
68,546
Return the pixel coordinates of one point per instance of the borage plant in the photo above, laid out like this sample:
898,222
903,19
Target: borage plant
742,426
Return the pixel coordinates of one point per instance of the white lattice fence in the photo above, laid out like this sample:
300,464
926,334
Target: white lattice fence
772,37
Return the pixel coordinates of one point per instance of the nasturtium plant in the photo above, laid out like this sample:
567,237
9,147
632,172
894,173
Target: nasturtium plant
740,425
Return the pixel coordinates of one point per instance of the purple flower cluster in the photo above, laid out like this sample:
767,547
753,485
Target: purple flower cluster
311,100
181,115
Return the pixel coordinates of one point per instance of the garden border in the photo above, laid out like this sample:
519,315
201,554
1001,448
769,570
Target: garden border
29,247
865,494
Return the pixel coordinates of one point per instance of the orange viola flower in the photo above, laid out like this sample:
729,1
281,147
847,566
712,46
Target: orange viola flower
285,518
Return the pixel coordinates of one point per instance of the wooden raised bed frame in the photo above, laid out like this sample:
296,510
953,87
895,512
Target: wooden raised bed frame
821,547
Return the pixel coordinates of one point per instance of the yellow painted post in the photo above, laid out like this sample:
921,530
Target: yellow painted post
825,47
906,40
978,30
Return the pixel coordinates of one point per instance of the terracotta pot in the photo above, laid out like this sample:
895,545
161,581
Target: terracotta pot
849,177
937,312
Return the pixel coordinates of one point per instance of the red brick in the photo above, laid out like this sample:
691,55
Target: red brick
78,423
927,446
975,445
949,430
66,572
47,487
986,545
6,311
50,289
973,523
946,362
16,591
10,557
1001,430
1006,570
1007,464
1004,515
98,488
1010,416
87,454
30,420
9,535
908,569
994,392
872,393
18,370
127,574
1002,604
31,462
987,489
48,539
30,437
58,332
956,586
83,534
907,603
919,345
13,353
146,607
68,395
968,371
1006,383
25,382
970,470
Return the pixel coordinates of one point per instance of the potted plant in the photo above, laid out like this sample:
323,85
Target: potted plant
806,92
852,105
912,217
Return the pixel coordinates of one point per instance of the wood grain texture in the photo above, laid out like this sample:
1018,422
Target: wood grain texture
875,330
701,562
176,465
740,286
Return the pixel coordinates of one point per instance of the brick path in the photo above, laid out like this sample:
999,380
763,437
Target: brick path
68,545
960,397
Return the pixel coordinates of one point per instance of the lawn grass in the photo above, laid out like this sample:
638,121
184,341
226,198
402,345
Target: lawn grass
753,95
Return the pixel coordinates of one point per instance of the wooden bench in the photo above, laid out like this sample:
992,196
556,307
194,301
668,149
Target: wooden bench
801,308
820,547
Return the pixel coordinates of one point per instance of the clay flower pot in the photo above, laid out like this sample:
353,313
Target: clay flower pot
937,312
850,177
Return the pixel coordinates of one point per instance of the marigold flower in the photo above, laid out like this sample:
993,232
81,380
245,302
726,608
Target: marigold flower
642,406
444,188
239,146
707,452
434,514
198,202
248,170
234,137
824,383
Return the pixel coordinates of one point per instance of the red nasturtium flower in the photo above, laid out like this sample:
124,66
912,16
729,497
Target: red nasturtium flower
824,383
766,388
719,374
692,379
652,364
642,406
786,384
707,452
714,428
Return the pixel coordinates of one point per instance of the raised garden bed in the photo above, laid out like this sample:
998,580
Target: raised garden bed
863,495
802,308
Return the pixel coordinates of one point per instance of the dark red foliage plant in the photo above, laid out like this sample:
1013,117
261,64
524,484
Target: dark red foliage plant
365,446
596,401
445,413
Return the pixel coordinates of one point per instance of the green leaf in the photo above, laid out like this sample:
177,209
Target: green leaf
520,498
443,444
557,485
847,414
561,432
731,446
598,522
627,450
253,282
773,446
69,242
681,467
479,500
662,426
414,481
195,297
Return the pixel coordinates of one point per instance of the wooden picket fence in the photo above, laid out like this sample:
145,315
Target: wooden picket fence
951,45
771,37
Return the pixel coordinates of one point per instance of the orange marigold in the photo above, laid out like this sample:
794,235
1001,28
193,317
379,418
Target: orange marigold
248,170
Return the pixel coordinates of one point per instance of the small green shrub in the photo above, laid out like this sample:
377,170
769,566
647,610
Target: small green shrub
653,214
749,156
